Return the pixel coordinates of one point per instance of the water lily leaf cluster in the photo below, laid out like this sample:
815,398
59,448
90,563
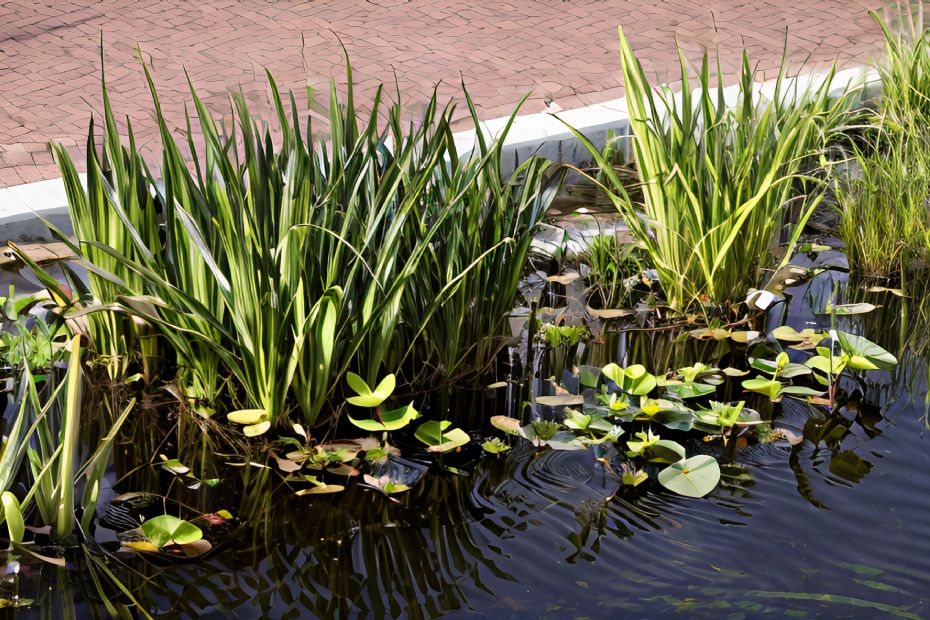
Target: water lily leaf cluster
845,351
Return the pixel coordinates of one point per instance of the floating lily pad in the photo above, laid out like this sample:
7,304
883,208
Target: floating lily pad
166,529
566,400
321,489
694,477
847,309
506,424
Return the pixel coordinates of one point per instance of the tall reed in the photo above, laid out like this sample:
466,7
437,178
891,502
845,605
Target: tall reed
885,204
274,270
718,177
905,69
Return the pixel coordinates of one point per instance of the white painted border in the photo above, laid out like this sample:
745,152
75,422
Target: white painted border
533,134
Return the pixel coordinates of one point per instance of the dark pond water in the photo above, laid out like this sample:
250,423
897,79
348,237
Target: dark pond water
835,526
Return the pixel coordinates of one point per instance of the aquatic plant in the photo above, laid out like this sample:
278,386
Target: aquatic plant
282,268
857,353
613,267
885,218
439,437
718,178
778,369
905,70
392,420
693,477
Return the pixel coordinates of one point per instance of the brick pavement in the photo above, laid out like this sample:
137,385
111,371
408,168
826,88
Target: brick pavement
564,51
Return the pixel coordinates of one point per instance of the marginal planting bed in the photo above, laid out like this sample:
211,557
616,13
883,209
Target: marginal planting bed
345,370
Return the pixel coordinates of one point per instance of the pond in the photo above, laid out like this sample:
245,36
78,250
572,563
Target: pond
829,522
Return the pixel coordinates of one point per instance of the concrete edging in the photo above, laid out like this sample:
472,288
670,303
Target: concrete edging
539,134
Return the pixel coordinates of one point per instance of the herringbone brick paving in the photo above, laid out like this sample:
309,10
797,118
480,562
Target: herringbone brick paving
565,52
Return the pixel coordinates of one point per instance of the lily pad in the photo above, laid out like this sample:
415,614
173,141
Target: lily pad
734,372
694,477
166,529
562,400
506,424
612,313
321,489
254,430
665,451
691,390
247,416
256,421
385,484
744,336
847,309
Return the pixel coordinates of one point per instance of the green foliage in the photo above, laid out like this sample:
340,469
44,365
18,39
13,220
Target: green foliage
694,477
366,396
13,515
165,529
643,440
722,416
905,70
284,267
37,335
633,379
545,429
393,420
883,202
495,446
612,266
439,438
717,180
557,334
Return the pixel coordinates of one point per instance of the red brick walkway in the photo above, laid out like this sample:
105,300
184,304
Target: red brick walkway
566,51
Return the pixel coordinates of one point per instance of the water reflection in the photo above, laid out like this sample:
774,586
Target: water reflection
828,523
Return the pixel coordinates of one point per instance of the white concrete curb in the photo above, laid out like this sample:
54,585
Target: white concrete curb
533,134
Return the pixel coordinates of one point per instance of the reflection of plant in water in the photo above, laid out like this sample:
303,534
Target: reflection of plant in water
819,429
356,556
593,518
